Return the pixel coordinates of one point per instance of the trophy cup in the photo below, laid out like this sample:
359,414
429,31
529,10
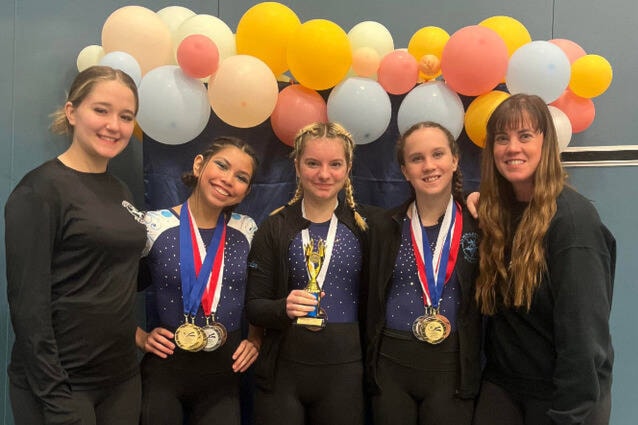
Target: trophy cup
316,319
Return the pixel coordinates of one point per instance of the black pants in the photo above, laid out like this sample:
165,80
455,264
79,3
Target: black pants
312,395
118,404
411,396
182,390
497,407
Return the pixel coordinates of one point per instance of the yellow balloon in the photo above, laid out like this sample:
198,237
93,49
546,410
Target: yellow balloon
264,31
319,54
511,31
428,41
479,112
89,56
591,76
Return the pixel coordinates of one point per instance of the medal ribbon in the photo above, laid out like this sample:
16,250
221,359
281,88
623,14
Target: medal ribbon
191,248
330,238
435,269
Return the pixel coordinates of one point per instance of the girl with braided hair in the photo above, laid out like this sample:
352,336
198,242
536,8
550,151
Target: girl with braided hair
311,374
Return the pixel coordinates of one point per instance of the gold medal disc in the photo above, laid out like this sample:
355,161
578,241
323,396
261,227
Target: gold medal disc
189,337
432,329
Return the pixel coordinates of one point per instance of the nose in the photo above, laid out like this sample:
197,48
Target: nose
324,171
514,145
113,122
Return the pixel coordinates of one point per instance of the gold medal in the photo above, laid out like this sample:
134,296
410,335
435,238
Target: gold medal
190,337
433,329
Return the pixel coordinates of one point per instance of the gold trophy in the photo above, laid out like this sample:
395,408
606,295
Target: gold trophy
316,319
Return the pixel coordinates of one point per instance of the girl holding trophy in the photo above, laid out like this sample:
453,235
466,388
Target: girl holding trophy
424,328
305,287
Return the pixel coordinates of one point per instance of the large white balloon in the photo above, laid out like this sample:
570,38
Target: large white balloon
213,28
540,68
89,56
362,106
563,127
174,108
432,101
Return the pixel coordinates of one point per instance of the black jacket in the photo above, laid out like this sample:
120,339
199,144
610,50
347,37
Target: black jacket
267,286
385,240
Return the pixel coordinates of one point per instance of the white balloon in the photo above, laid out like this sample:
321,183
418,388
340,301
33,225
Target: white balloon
174,108
563,127
540,68
173,16
371,34
432,101
89,56
362,106
213,28
124,62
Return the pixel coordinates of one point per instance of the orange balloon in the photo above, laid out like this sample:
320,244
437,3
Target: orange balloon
479,112
428,41
430,66
141,33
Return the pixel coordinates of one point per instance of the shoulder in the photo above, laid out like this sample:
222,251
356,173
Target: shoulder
42,185
157,222
244,224
573,209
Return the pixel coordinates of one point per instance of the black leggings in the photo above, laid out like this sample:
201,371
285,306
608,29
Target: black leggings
312,395
497,407
179,391
411,396
117,404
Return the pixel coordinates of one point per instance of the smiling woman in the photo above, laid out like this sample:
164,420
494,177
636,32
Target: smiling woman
72,254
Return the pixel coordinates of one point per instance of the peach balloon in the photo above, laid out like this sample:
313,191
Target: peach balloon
365,61
571,49
297,106
139,32
580,111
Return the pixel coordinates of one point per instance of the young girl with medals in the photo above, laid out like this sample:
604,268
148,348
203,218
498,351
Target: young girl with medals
546,280
72,255
305,287
424,329
195,258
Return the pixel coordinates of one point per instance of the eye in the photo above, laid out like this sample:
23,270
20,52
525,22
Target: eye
100,110
312,163
127,117
221,164
501,139
243,178
336,164
415,159
438,154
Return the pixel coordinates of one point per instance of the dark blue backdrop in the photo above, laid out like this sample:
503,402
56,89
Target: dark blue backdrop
375,175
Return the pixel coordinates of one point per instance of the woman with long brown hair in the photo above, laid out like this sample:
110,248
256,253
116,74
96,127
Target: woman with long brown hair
546,277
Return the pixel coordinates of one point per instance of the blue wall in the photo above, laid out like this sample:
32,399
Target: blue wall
40,40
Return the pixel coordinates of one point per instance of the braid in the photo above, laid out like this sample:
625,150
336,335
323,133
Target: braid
297,196
457,186
353,206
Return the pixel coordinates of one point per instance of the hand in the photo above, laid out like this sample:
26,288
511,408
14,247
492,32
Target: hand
245,355
299,303
158,342
472,202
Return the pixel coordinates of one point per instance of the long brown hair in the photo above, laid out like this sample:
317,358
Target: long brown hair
514,284
328,130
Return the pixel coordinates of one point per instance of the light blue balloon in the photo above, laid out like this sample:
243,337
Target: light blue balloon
432,101
174,107
540,68
125,62
362,106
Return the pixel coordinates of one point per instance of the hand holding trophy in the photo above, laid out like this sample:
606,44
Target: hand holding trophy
316,319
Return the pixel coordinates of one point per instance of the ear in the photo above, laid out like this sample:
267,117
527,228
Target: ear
455,163
404,173
198,164
69,111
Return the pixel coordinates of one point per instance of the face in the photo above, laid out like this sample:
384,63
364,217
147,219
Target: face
223,180
429,162
103,123
322,168
517,153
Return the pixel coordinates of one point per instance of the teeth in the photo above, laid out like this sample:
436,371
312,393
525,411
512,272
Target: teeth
222,191
514,162
430,179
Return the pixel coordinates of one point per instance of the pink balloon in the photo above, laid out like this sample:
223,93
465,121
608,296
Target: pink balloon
571,49
580,111
297,106
198,56
398,72
474,60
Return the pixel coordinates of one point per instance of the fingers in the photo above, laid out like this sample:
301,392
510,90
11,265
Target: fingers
299,303
159,342
472,203
244,356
